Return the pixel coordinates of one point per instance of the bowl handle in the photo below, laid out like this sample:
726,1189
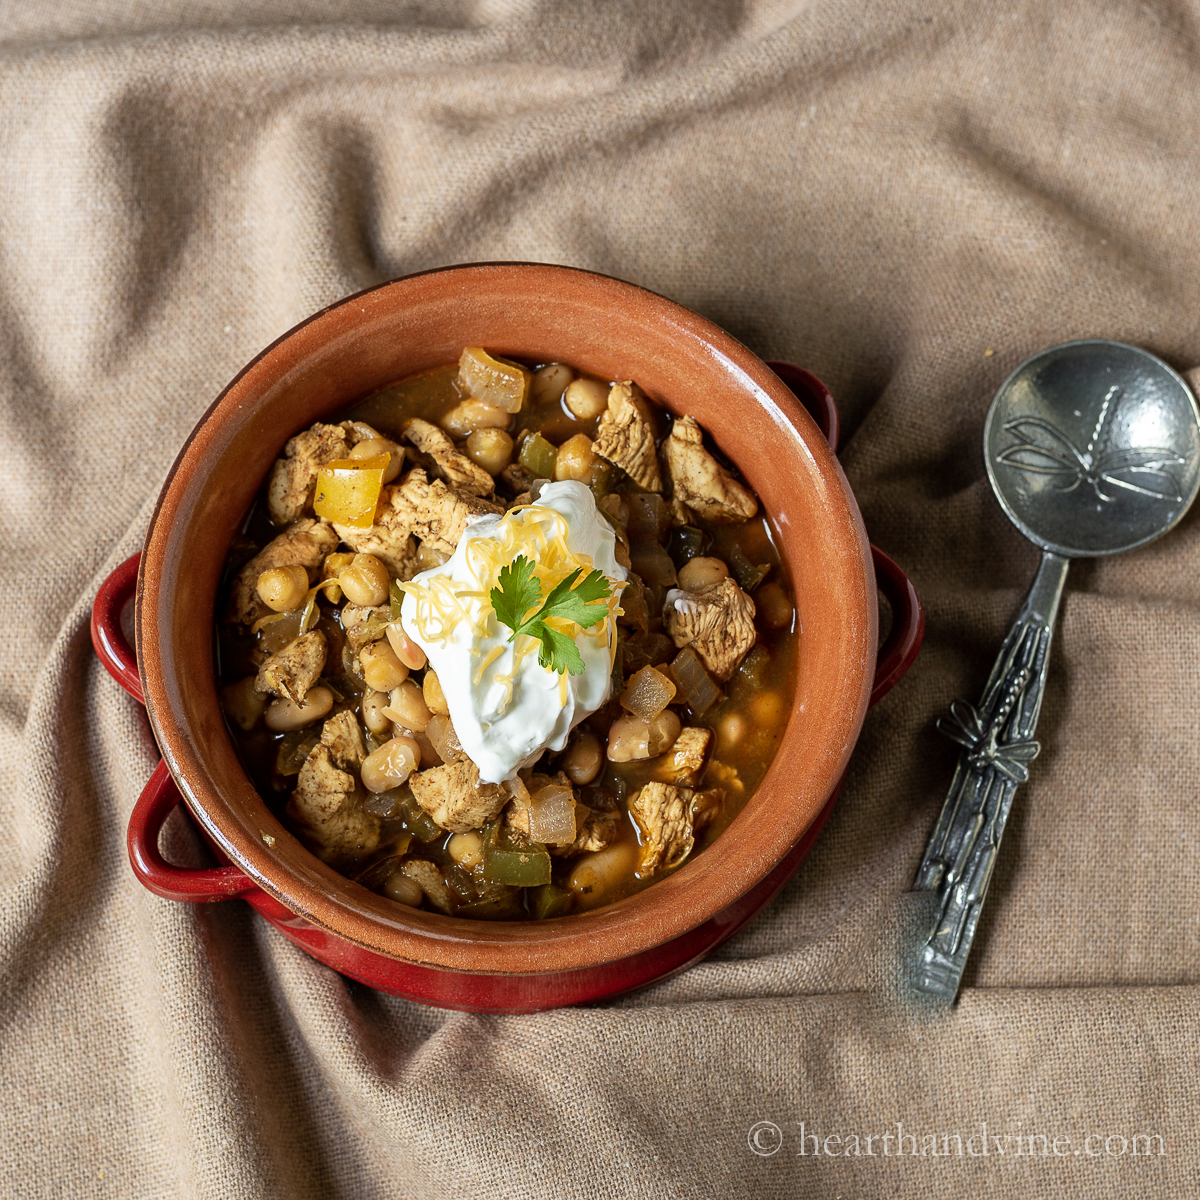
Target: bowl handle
174,883
112,646
908,625
908,618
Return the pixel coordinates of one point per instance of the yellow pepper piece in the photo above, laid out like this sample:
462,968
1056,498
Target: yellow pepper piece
348,490
492,381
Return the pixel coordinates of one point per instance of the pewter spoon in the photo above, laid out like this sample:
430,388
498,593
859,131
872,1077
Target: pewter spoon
1092,448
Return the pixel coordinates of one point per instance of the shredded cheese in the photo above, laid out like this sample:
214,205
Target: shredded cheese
506,707
521,531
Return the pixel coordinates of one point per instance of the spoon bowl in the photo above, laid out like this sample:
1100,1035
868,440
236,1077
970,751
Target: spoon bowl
1093,448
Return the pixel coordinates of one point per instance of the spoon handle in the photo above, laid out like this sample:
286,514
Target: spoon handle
998,745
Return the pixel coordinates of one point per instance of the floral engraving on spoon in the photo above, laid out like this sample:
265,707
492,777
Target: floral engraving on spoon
1046,450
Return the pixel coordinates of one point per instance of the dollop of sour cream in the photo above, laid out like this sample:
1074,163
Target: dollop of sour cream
506,708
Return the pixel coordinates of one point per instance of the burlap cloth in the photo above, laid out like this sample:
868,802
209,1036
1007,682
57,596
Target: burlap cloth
908,198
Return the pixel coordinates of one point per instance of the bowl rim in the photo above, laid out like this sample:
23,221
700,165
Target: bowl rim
314,892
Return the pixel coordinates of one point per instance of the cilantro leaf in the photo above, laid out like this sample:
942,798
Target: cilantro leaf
517,594
559,652
574,604
519,591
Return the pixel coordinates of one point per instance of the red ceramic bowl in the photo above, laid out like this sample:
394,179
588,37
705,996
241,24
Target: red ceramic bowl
534,312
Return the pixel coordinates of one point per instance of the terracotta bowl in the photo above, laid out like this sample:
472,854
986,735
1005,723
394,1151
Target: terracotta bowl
534,312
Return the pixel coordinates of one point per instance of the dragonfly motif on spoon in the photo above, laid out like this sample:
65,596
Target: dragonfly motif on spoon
1093,465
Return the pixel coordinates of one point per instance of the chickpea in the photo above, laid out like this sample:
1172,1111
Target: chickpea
466,849
407,651
471,415
331,568
768,709
382,670
242,704
549,383
583,759
663,731
365,581
428,557
773,606
492,449
407,707
597,874
374,706
576,456
403,890
628,739
284,715
587,398
335,564
435,698
283,589
391,764
699,573
376,446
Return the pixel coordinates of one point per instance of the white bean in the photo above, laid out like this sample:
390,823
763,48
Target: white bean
403,890
284,715
407,651
583,759
390,765
242,704
407,707
595,876
628,739
373,706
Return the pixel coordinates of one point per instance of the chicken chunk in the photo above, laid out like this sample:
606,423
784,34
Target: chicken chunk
516,816
453,796
344,738
452,465
296,667
717,622
429,879
433,512
389,539
664,815
597,830
707,808
683,764
626,435
364,625
324,800
700,482
294,475
303,544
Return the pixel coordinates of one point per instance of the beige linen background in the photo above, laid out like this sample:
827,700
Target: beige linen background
908,198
